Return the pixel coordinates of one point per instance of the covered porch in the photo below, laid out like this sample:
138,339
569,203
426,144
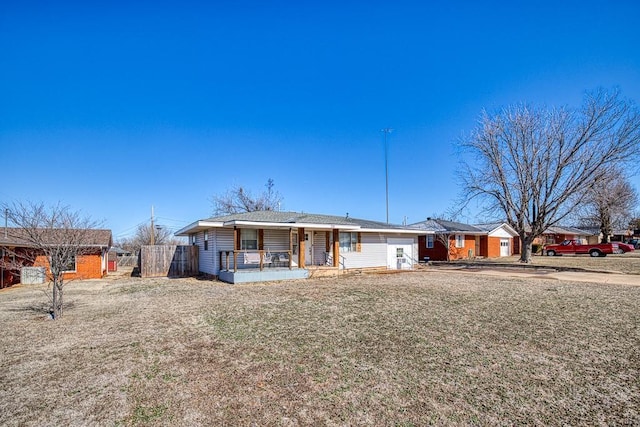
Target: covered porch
274,253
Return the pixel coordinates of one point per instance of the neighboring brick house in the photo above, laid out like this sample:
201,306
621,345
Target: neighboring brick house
461,239
558,234
17,252
465,241
501,240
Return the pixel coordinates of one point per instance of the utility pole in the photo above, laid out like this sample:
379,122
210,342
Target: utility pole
386,131
153,242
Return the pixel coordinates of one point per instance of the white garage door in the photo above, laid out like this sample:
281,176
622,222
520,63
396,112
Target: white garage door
399,254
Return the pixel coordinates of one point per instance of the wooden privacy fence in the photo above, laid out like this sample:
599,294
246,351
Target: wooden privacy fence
168,261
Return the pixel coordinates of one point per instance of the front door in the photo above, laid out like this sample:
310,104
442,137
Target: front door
504,247
308,248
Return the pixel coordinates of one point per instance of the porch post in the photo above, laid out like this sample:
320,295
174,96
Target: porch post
235,248
336,247
301,247
290,257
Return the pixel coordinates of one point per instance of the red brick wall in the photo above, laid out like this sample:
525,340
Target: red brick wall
87,267
463,253
493,247
439,251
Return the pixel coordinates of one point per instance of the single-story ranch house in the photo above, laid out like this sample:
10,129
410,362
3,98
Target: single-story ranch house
273,245
17,252
558,234
465,241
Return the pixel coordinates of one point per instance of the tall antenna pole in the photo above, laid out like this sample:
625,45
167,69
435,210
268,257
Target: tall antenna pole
152,236
386,131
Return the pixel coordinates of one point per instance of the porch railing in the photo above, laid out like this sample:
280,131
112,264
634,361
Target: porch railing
255,259
328,260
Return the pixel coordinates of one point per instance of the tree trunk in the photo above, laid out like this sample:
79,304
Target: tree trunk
57,298
525,247
606,231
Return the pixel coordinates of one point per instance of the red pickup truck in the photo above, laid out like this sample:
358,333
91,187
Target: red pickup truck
576,247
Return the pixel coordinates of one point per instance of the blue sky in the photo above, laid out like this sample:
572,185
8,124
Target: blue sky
113,107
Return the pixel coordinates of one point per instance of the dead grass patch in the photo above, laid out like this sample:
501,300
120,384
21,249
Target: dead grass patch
407,349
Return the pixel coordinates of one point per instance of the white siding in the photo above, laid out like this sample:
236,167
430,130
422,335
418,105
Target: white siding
224,242
501,232
373,254
207,258
374,251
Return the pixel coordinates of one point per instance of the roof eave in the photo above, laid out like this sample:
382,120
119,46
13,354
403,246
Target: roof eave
198,226
309,225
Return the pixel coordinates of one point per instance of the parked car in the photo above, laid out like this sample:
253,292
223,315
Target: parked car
576,247
634,242
625,247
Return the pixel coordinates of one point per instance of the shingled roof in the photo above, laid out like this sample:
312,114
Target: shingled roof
444,226
300,217
284,218
18,237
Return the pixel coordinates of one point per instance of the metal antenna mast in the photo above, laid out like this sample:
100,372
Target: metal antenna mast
386,131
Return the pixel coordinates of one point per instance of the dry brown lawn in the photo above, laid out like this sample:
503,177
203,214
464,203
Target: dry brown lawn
628,263
417,348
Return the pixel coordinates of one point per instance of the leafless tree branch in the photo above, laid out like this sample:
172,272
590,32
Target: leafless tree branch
534,166
239,200
55,232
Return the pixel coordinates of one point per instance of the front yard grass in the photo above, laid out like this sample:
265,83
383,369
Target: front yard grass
417,348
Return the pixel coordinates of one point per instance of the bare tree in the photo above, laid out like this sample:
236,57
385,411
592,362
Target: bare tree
532,166
634,224
142,236
609,204
57,233
444,238
239,200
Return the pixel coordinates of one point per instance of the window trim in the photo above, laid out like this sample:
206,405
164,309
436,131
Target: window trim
206,240
352,244
75,266
429,241
243,239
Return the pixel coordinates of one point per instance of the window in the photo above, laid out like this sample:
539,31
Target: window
206,240
249,239
429,241
459,240
348,242
192,238
70,266
399,252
